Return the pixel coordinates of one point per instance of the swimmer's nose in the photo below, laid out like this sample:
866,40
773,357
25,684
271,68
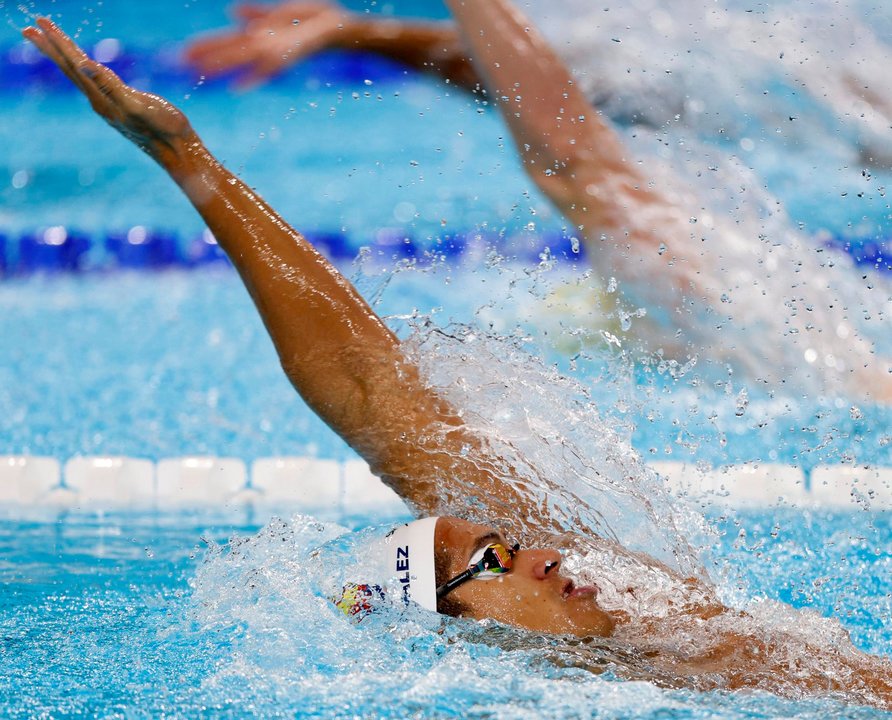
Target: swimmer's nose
542,563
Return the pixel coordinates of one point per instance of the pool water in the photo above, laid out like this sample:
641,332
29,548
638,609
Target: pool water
107,364
150,614
402,152
130,614
145,615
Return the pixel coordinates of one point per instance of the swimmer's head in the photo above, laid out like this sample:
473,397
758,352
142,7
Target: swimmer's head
409,558
443,565
406,554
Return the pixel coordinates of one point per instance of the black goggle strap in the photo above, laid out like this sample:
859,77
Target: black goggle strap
456,581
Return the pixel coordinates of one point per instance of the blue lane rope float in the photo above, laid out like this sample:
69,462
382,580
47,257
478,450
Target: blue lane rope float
22,66
868,253
52,248
60,249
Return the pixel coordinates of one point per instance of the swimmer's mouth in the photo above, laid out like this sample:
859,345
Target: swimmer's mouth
571,591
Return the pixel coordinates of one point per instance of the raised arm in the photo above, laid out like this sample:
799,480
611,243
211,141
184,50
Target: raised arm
575,157
338,354
271,38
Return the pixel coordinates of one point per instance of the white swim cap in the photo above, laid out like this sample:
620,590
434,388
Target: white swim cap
409,553
403,560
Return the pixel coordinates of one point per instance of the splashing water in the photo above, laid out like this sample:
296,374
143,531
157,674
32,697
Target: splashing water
265,603
733,72
272,595
737,282
551,436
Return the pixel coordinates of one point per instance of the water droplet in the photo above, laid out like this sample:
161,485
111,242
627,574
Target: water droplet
741,402
625,321
20,179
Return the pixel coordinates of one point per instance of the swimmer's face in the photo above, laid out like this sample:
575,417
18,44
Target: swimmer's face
533,595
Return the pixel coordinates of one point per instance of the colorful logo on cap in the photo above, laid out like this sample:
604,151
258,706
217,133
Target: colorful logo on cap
358,599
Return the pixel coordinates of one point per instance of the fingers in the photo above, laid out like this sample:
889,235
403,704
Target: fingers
104,79
285,13
43,43
211,44
92,78
72,56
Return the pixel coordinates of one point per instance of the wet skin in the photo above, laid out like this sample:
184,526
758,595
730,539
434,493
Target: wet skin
533,595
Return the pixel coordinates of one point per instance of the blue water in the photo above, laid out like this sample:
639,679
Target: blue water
145,615
106,617
128,614
114,364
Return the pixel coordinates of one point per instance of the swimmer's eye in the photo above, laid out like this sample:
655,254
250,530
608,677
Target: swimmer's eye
488,562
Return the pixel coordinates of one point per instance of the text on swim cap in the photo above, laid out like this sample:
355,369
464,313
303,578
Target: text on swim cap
402,566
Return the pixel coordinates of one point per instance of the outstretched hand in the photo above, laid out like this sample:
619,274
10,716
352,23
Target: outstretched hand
149,121
270,39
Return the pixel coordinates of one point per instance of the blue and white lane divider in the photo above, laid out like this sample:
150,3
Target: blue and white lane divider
59,249
334,487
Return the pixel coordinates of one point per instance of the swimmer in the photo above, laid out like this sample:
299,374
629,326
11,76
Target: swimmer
725,278
353,372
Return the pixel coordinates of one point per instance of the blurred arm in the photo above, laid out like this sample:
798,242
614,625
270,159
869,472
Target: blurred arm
577,160
271,38
429,47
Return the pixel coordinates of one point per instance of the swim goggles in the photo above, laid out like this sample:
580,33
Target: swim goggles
487,563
